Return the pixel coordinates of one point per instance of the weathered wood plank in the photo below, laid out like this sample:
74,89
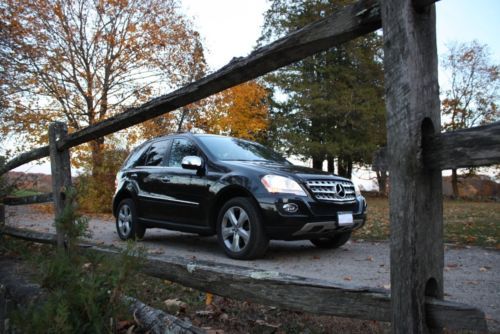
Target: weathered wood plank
29,235
474,147
421,4
23,158
33,199
416,213
286,291
60,166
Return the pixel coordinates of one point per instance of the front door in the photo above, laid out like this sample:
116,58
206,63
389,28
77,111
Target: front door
183,202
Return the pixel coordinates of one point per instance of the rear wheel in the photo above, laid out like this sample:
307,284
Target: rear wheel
332,242
126,221
240,231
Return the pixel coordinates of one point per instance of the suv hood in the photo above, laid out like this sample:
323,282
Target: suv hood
301,172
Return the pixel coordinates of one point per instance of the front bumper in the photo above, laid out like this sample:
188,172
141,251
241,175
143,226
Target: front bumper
313,219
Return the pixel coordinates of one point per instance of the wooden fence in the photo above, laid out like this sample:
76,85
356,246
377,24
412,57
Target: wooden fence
416,149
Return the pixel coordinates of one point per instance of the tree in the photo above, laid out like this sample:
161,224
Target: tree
184,118
84,60
240,111
472,96
333,107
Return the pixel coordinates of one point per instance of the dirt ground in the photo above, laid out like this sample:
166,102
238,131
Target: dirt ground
471,274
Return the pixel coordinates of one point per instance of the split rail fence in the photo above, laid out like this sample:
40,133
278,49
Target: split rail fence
417,152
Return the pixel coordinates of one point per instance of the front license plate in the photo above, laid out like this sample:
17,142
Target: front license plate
345,218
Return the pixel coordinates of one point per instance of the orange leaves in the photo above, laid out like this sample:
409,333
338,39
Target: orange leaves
83,61
241,111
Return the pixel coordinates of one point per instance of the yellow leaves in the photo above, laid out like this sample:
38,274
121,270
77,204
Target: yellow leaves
241,111
131,27
58,10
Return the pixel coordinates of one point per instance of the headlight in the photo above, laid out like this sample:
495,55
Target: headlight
281,184
357,191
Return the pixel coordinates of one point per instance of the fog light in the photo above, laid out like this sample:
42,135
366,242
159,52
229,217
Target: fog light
290,207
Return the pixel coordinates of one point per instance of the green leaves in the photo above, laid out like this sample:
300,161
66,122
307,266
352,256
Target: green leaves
329,105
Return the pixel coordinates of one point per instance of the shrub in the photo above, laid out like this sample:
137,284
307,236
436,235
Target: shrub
96,188
85,289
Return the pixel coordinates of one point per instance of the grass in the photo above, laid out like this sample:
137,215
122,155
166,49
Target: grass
465,222
24,192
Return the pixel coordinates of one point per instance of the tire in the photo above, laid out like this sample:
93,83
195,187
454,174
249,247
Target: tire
126,221
239,229
332,242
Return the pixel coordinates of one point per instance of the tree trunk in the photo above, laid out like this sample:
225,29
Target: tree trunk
454,183
331,165
382,182
344,167
317,163
349,168
97,148
2,214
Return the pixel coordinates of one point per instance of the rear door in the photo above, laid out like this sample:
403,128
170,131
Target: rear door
151,178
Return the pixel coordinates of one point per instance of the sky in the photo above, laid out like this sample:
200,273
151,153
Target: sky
230,28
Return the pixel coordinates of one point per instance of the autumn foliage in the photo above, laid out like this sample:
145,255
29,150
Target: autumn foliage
82,61
241,111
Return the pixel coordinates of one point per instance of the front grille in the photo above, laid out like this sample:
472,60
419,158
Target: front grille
332,191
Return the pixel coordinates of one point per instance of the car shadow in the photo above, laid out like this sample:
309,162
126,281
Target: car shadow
201,247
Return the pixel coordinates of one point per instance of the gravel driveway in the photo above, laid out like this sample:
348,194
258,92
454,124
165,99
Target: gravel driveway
471,274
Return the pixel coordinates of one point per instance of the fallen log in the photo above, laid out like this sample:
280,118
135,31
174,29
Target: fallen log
152,320
282,290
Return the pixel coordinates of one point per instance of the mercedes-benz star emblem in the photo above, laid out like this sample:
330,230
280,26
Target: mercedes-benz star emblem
340,190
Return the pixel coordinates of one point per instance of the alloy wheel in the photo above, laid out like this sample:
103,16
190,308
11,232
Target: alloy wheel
235,229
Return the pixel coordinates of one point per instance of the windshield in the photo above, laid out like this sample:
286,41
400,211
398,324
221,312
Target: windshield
227,148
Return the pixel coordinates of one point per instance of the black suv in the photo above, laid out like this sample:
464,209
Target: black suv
240,190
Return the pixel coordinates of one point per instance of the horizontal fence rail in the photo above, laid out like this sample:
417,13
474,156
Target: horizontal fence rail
346,24
473,147
32,199
286,291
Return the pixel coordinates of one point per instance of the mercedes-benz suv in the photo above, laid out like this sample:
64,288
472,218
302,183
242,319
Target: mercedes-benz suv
242,191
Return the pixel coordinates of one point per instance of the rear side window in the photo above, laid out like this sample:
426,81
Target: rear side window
156,153
181,148
136,157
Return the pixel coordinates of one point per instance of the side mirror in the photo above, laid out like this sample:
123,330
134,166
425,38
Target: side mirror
192,162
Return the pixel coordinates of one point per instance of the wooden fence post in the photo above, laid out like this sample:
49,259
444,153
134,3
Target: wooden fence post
2,214
61,171
413,112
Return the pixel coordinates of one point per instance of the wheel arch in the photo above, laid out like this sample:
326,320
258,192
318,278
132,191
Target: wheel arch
225,195
120,196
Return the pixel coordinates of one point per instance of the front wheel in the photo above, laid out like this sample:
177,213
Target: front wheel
126,221
240,231
332,242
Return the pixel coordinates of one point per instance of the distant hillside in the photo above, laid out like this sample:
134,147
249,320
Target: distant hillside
479,186
31,181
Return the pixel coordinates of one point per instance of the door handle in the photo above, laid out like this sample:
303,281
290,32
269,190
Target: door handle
133,175
165,179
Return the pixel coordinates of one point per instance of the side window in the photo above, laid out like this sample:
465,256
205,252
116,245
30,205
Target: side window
136,157
180,149
156,153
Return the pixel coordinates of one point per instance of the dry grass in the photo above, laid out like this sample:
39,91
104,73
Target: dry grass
465,222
